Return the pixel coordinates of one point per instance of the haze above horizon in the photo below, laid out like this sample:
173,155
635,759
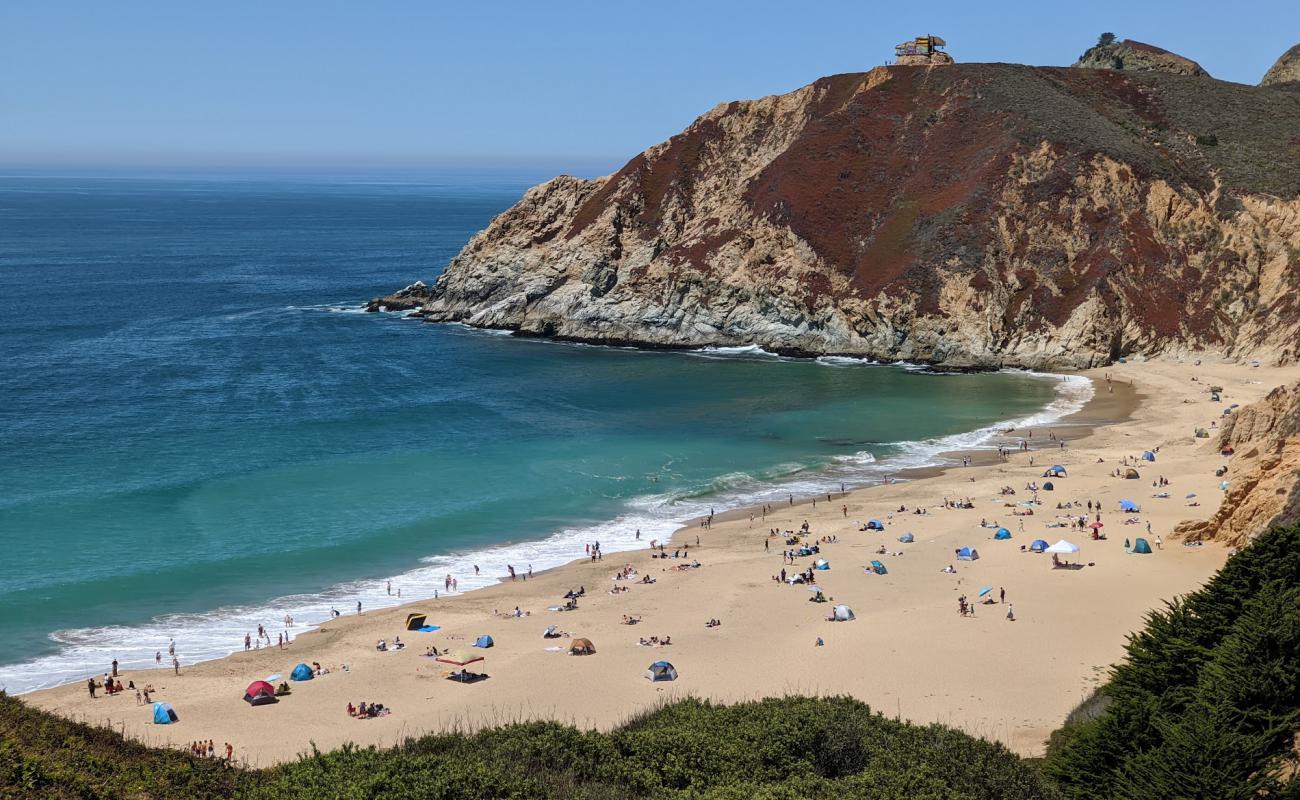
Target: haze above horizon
576,86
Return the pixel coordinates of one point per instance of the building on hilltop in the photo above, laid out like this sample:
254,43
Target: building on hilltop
922,51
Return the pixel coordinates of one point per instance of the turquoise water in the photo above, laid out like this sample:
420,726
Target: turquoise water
200,433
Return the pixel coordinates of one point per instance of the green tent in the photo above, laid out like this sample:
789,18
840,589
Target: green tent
1141,546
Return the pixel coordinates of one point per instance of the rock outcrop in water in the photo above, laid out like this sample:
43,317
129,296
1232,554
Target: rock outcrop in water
1263,474
973,215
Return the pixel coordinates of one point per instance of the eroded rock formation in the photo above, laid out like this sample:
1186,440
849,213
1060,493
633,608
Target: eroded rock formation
1263,473
1286,70
977,215
1132,56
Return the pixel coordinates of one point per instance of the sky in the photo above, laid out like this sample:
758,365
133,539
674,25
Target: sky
580,85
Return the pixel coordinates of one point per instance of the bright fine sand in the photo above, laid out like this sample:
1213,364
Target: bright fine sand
909,653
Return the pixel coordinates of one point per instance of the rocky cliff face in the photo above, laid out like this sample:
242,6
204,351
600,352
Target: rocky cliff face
1286,70
1138,57
975,215
1263,474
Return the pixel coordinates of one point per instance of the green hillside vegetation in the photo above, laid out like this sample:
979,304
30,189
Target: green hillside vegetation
1206,705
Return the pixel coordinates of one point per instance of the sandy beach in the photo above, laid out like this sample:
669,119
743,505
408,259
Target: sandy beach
909,653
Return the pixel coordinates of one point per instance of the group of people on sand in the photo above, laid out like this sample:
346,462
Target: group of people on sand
655,641
383,646
208,749
367,711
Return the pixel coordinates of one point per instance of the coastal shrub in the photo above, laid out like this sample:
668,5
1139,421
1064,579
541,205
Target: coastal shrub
1207,702
777,748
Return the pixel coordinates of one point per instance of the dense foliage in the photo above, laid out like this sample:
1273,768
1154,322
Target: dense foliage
779,748
1207,704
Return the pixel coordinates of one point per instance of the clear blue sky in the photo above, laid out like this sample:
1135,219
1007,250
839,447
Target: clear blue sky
583,85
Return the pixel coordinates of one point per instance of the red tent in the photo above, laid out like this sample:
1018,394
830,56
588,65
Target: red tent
259,693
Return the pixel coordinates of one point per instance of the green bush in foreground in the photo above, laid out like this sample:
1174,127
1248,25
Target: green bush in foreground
1207,704
778,748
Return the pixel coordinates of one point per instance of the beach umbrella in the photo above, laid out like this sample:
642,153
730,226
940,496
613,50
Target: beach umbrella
1063,547
277,676
1190,495
814,588
1128,505
1095,526
985,590
459,659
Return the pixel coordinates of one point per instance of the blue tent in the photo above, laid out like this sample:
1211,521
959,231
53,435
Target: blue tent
1002,533
875,525
906,538
1057,470
1038,546
1128,505
1048,486
1148,456
967,554
483,641
302,672
661,671
164,714
821,563
1141,546
878,568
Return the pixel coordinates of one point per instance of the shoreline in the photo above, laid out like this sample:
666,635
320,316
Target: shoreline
344,593
907,654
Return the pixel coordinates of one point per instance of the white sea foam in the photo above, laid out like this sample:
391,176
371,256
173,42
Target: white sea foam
216,633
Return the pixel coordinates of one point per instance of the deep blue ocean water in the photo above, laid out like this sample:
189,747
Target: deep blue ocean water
199,432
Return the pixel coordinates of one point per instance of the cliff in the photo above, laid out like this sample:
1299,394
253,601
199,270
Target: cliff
1263,473
974,215
1286,70
1134,56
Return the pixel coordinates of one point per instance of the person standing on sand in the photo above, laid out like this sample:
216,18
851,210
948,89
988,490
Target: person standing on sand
171,647
845,509
176,665
1159,542
248,642
115,668
1011,613
390,588
157,657
90,686
1002,595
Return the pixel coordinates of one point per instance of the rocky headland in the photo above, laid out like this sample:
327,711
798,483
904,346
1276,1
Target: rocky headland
968,215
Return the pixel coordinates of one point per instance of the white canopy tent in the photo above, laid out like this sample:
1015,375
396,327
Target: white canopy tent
1063,548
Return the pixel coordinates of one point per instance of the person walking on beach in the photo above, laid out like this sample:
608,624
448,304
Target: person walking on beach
248,642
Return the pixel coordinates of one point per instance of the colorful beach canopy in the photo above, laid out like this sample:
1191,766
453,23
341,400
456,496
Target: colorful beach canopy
484,641
967,554
661,671
582,647
302,672
1002,533
259,693
878,568
1039,545
164,714
1063,547
459,659
415,622
1128,505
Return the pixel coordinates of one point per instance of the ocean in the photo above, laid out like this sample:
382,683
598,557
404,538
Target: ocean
200,431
